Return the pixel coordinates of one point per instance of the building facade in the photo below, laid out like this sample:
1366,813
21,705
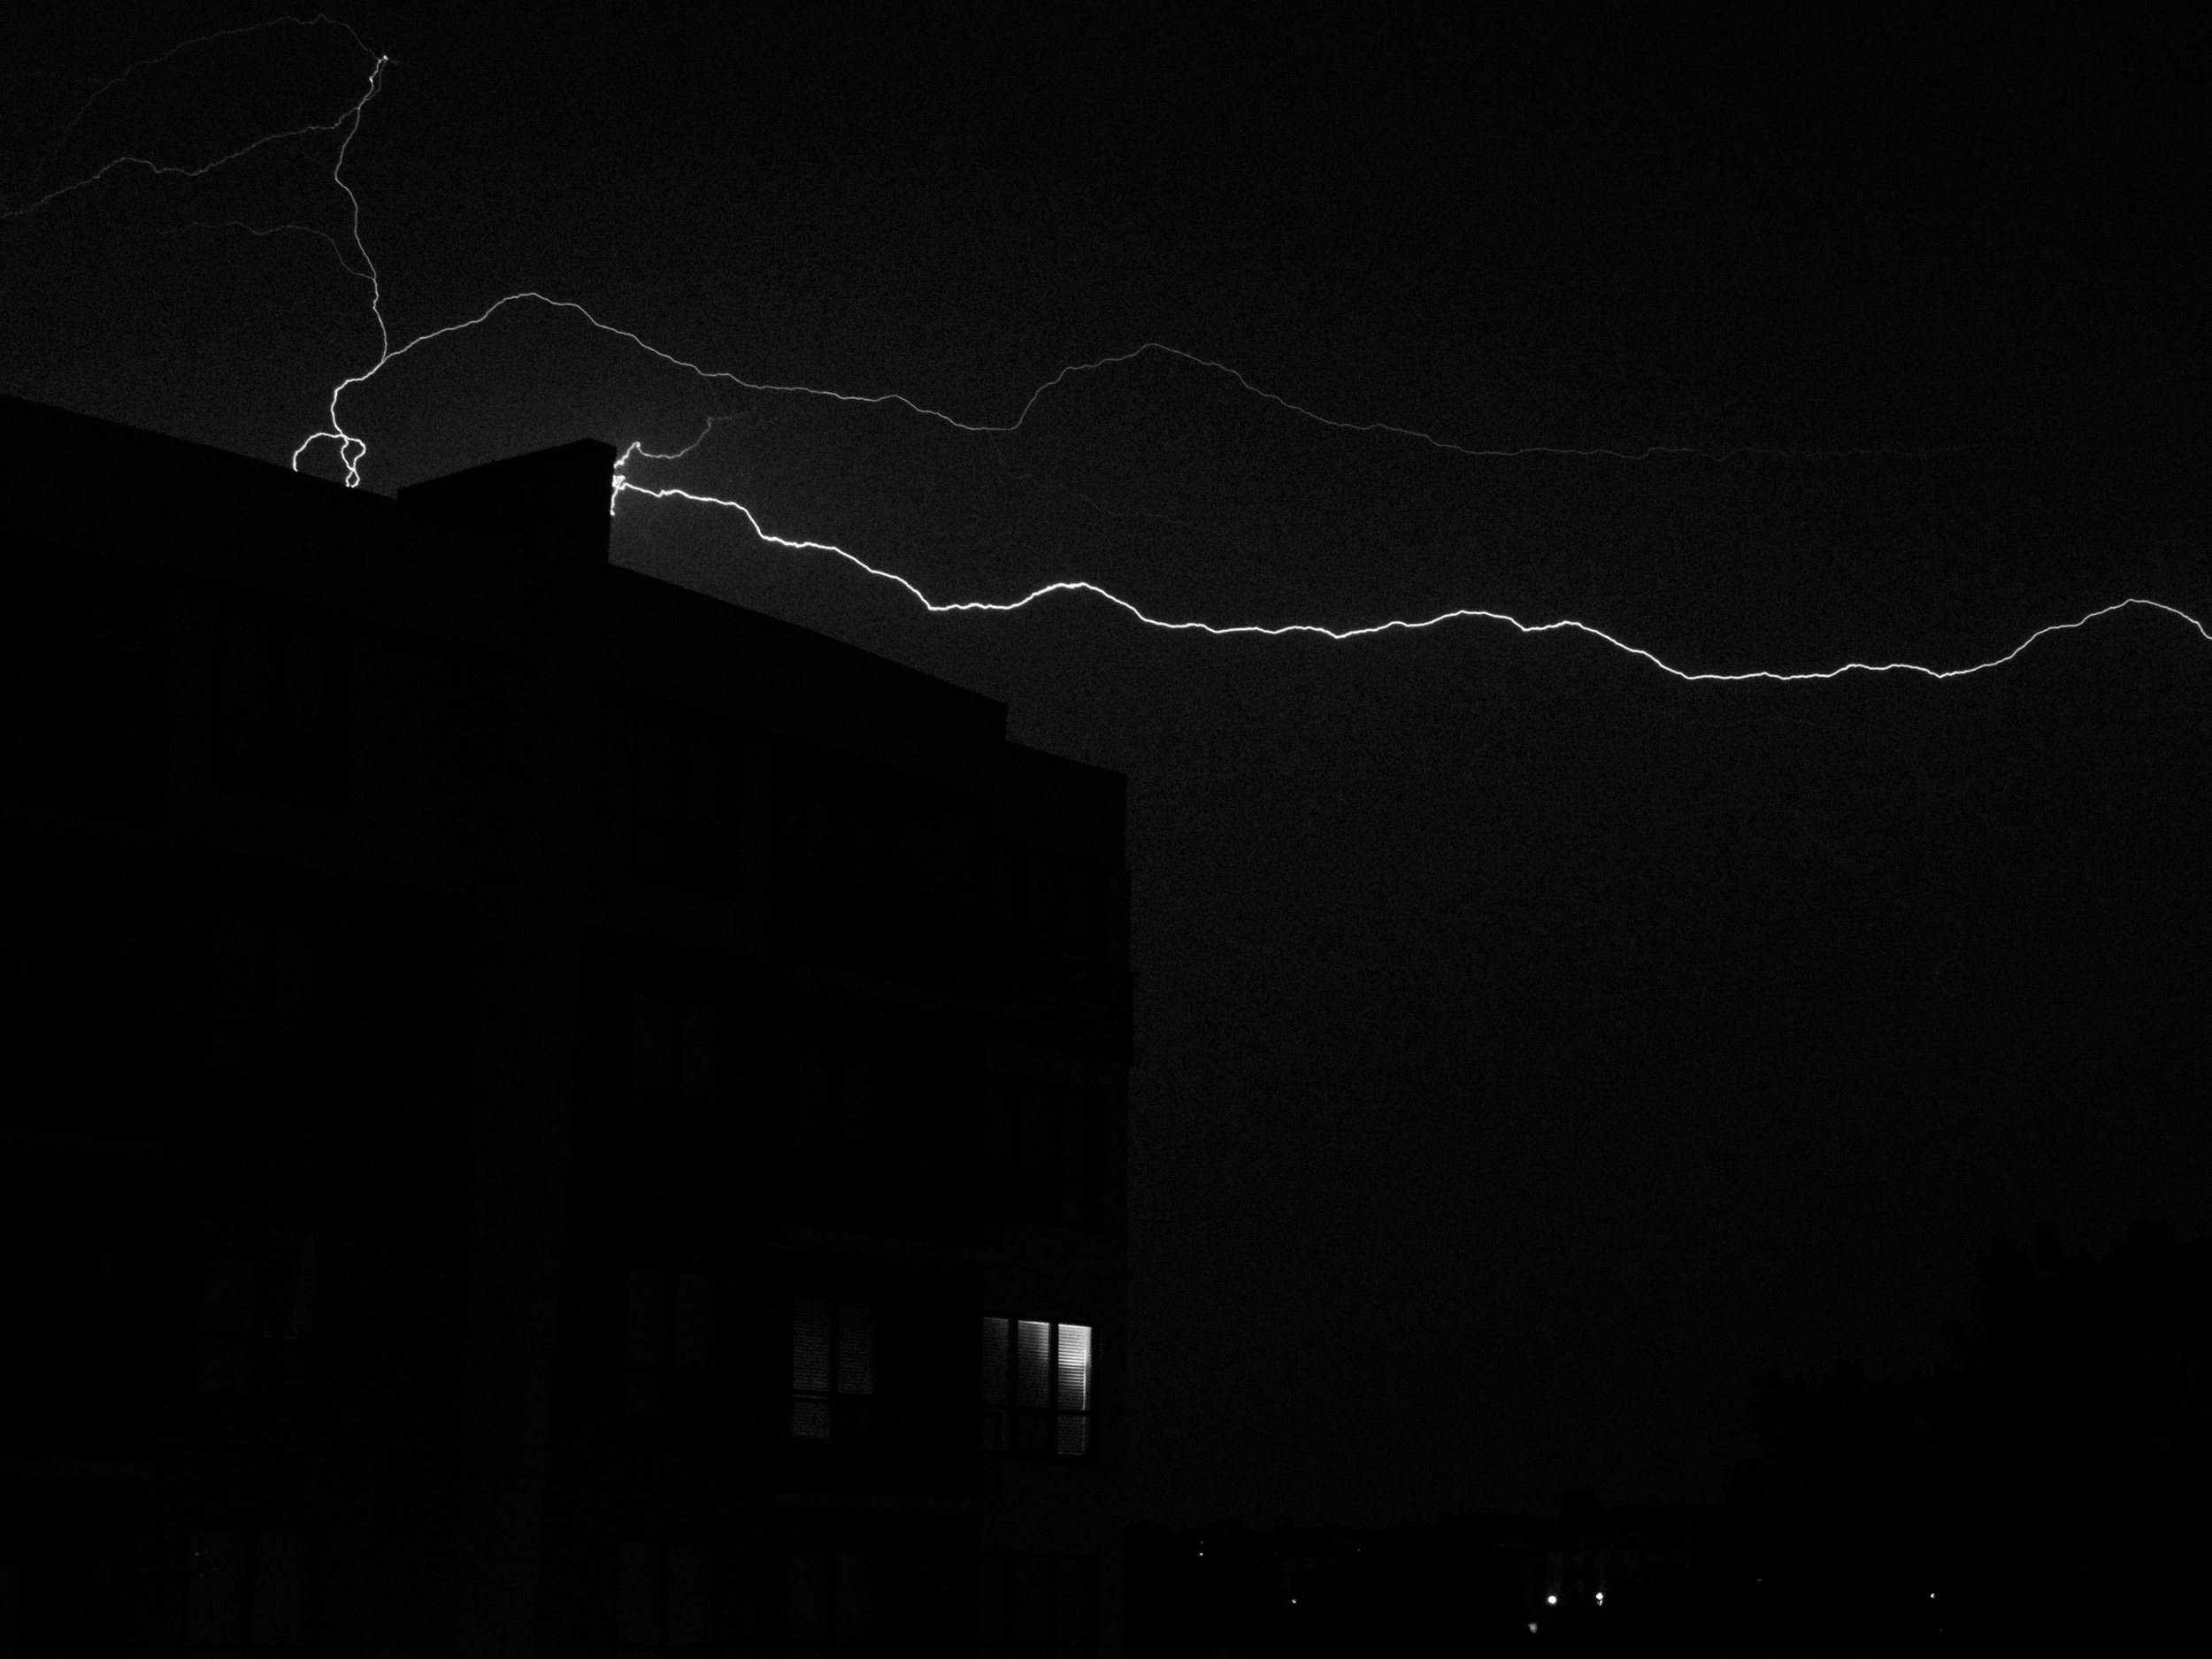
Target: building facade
543,1113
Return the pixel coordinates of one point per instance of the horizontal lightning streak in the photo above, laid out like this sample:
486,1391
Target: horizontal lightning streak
1565,625
352,449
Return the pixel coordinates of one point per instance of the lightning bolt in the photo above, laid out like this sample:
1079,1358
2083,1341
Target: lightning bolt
1565,625
352,449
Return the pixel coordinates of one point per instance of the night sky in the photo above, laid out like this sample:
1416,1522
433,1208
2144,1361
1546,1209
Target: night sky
1533,1048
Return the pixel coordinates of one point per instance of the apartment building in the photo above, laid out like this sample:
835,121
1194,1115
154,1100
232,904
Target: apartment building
542,1112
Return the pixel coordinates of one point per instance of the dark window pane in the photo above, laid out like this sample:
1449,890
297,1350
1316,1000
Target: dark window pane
856,1110
645,1317
810,1323
853,1613
690,1595
243,756
709,800
1079,908
656,816
808,1602
280,1589
288,1285
1031,1610
993,1594
291,1366
27,685
644,1394
1075,1608
652,1045
280,707
15,1613
995,1361
312,681
299,983
864,854
811,1092
821,834
659,773
1039,1154
637,1605
107,768
1041,898
1078,1157
856,1348
248,698
215,1590
227,1269
702,1052
693,1345
1003,898
236,971
224,1366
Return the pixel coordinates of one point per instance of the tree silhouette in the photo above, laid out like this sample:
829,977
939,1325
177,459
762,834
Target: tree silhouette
2048,1483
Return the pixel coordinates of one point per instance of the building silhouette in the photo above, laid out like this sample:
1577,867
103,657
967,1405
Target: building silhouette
542,1113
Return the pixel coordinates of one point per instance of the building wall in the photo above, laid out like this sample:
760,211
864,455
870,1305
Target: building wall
380,997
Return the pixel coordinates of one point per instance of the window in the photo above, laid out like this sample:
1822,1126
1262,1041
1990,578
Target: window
78,1032
683,804
664,1598
259,1319
832,1603
678,1072
871,868
268,1005
1041,1152
280,707
830,1136
22,1011
79,721
1036,1606
831,1096
247,1593
15,1629
1036,1388
1047,914
833,1368
670,1346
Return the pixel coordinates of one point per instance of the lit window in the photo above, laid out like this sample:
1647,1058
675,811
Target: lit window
247,1593
833,1367
1036,1377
